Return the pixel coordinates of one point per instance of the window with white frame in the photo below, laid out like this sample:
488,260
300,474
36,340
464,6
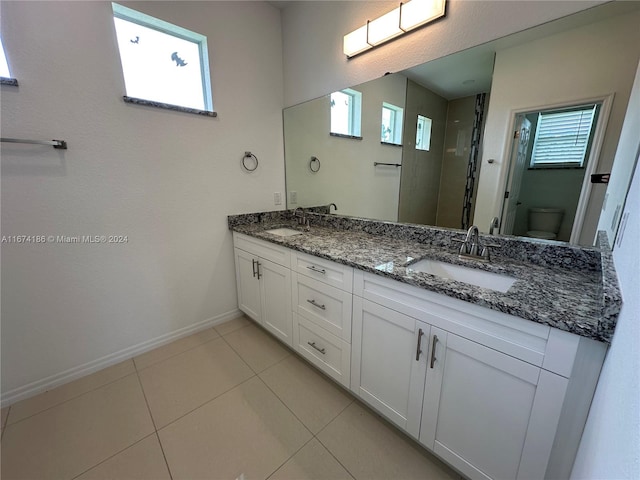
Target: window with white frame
391,131
563,137
4,65
162,62
346,111
423,133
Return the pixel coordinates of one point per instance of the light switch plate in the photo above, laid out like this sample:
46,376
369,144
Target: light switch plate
277,198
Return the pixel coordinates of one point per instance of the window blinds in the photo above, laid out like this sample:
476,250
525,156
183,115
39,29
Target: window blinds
562,138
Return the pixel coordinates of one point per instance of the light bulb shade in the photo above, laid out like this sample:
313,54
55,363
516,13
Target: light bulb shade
355,42
418,12
385,27
400,20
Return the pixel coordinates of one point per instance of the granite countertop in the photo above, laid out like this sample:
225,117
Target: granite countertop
569,288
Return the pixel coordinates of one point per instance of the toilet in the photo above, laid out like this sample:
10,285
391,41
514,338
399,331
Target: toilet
544,223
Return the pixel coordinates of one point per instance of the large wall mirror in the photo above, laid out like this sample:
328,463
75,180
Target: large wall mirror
407,147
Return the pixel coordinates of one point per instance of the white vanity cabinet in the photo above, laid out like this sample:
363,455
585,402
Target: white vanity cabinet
496,396
322,305
484,410
263,279
389,362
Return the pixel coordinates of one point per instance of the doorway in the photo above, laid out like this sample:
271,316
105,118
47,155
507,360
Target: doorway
553,151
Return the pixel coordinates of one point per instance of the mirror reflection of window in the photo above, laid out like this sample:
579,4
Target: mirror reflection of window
423,133
346,108
4,65
563,137
391,131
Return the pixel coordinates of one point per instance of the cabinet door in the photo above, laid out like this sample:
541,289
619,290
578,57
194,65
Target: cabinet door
388,362
275,285
477,407
248,284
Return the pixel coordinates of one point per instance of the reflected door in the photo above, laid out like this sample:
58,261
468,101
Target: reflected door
518,164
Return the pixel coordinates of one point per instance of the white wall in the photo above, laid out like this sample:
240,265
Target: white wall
375,192
593,60
314,64
610,445
167,180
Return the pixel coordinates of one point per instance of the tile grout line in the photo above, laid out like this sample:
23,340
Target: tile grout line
313,435
69,399
164,455
4,424
292,455
286,406
245,362
203,404
178,353
153,422
111,456
136,370
335,458
327,448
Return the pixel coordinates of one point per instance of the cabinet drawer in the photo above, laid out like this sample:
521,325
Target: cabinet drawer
266,250
326,351
326,271
322,304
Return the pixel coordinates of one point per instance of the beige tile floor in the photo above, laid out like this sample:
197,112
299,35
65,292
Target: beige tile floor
229,402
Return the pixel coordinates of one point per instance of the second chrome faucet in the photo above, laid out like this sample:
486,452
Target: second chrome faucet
471,247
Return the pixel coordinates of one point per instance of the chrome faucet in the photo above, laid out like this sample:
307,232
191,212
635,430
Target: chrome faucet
471,243
301,218
334,206
495,223
471,247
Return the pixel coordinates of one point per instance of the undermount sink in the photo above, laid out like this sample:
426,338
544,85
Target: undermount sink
479,278
284,232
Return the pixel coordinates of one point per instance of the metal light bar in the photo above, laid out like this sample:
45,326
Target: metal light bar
61,144
408,16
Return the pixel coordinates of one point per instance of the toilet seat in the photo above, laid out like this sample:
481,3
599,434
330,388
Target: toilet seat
541,234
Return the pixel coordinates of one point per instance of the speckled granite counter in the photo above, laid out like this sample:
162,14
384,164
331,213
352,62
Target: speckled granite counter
571,288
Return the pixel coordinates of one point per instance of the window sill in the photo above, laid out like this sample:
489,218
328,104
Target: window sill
9,81
168,106
391,144
342,135
558,167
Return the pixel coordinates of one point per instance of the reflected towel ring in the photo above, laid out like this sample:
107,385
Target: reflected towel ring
249,155
312,162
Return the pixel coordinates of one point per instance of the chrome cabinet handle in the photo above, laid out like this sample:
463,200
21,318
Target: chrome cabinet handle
313,268
253,267
258,269
433,351
321,350
418,351
313,302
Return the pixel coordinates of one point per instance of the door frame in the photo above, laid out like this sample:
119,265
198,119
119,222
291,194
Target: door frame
590,164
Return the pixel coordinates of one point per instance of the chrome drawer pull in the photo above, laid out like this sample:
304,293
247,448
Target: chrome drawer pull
317,270
313,302
321,350
418,350
433,350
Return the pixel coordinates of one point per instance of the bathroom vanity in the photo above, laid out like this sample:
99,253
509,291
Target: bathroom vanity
496,383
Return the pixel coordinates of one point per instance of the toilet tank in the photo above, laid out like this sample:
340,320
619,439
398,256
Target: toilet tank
545,219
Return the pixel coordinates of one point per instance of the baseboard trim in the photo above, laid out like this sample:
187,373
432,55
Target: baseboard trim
52,381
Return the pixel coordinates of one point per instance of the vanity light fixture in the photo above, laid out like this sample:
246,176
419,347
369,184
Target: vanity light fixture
408,16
